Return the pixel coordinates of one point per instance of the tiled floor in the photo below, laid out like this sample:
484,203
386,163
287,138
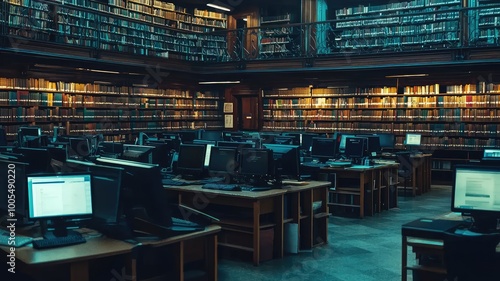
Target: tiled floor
366,249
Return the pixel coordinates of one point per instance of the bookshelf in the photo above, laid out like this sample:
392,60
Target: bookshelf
448,117
118,112
142,27
276,35
409,24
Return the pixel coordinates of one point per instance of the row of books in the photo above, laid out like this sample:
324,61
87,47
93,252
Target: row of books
392,6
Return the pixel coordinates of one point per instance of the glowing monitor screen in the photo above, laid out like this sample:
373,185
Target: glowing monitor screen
413,139
59,195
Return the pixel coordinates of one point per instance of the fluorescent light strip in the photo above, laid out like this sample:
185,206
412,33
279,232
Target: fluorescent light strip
219,7
98,70
407,75
218,82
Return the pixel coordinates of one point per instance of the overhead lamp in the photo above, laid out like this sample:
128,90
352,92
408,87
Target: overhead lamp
218,82
219,6
407,75
102,82
97,70
140,85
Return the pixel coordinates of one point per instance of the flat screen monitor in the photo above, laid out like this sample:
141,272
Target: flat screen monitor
162,153
476,192
323,148
256,162
59,197
170,136
188,136
106,147
296,137
29,136
13,177
78,148
191,161
138,153
208,148
386,140
286,160
268,137
211,135
232,136
38,158
106,187
283,140
306,140
373,144
413,139
355,147
223,161
234,144
342,142
491,153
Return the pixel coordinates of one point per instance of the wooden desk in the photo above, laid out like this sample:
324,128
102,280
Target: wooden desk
421,173
78,257
251,213
247,216
427,244
366,189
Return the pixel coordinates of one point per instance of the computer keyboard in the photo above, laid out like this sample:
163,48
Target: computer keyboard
181,222
222,186
173,182
20,240
58,241
256,188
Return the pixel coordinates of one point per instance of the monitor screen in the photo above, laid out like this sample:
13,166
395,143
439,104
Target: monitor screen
208,149
13,175
386,140
283,140
286,159
211,135
191,161
222,161
373,145
188,136
139,153
306,140
491,153
343,138
29,136
476,192
142,189
323,148
106,186
355,147
232,136
413,139
237,145
297,137
38,158
78,148
255,162
111,148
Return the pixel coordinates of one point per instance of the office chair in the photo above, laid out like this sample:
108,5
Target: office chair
405,169
471,258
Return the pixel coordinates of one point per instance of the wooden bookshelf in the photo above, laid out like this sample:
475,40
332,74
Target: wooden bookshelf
116,111
415,23
142,27
276,35
451,117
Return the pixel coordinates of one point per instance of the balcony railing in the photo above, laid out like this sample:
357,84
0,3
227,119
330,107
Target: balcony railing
101,28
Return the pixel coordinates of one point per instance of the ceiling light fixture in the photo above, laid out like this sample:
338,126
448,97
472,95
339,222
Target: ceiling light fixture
218,6
218,82
407,75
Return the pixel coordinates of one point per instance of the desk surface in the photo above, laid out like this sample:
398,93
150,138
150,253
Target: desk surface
96,247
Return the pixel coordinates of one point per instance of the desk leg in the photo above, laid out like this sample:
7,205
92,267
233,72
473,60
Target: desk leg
278,231
79,271
256,232
414,180
404,259
362,195
179,261
211,257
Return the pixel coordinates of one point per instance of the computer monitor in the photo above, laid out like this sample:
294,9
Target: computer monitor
223,162
413,139
142,193
107,148
29,136
283,140
323,149
59,198
232,136
476,192
234,144
38,158
3,137
386,140
78,148
138,153
191,161
256,165
13,179
286,160
211,135
373,145
208,148
189,136
491,154
306,140
296,137
106,189
169,136
342,141
268,137
355,148
162,153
